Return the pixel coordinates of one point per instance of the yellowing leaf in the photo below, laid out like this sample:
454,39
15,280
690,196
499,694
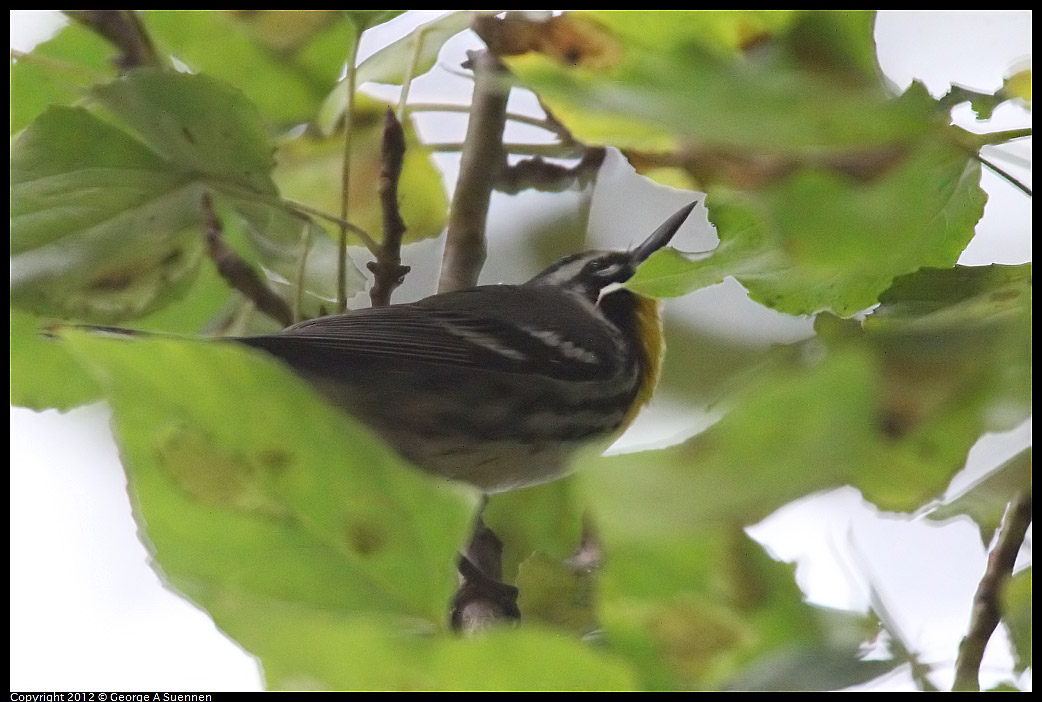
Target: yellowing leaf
1019,85
309,170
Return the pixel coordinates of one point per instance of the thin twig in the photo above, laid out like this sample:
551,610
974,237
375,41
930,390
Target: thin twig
900,648
298,294
550,125
858,569
1003,174
123,29
345,176
305,211
555,150
387,269
986,608
237,272
414,60
481,161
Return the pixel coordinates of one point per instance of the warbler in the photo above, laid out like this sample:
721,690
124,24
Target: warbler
496,385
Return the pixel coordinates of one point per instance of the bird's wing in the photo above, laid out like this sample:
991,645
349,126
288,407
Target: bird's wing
483,327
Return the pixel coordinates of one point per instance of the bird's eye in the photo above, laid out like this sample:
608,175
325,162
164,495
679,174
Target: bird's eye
604,268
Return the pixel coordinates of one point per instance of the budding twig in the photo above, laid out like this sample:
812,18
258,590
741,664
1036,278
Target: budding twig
387,269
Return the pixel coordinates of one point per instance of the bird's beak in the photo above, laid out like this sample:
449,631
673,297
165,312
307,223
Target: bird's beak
661,236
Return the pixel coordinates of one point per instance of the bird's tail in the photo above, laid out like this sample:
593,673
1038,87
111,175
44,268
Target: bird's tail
53,331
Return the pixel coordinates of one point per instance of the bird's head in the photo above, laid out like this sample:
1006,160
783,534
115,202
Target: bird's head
589,273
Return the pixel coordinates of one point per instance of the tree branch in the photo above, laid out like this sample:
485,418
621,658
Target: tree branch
387,269
482,600
238,273
481,162
123,29
986,610
537,174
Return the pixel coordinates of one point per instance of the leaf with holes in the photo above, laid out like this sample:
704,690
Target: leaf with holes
818,240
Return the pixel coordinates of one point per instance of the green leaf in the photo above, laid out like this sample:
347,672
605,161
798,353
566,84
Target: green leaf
288,503
198,123
1018,86
810,668
695,608
1005,687
797,430
107,228
1016,614
210,128
278,237
309,170
558,594
701,368
985,502
891,407
367,19
285,62
391,64
415,53
945,301
373,654
43,374
545,519
100,225
670,273
957,343
652,81
819,241
57,72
